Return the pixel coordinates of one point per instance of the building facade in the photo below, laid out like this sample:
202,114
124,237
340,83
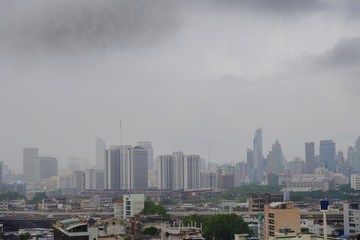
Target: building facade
351,218
328,154
275,159
310,158
29,157
100,148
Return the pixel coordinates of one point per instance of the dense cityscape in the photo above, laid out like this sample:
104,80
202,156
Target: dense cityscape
179,120
272,195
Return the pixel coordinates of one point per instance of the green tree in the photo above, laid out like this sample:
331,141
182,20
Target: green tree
224,226
11,196
198,219
153,231
167,201
151,207
24,236
39,196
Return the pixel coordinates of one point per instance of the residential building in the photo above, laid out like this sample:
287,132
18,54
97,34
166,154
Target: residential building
133,204
355,181
208,179
179,171
310,158
78,181
257,201
328,154
101,201
119,209
126,168
100,148
296,167
352,218
94,179
29,156
279,215
275,159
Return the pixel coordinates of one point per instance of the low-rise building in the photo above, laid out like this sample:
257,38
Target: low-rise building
257,201
281,215
352,218
4,206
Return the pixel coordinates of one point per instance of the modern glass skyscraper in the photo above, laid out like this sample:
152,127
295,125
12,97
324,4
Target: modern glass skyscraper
258,150
328,154
147,145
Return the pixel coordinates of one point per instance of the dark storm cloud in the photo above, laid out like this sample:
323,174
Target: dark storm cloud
85,24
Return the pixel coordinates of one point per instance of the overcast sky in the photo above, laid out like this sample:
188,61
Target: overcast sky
181,74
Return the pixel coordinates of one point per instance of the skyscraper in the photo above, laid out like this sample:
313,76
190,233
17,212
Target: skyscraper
100,148
29,156
126,168
150,160
45,168
353,158
275,159
258,150
165,171
310,158
328,154
250,158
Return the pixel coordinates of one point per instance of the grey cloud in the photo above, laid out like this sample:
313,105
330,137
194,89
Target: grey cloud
85,24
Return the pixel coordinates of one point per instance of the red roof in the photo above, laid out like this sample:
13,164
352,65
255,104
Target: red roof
118,202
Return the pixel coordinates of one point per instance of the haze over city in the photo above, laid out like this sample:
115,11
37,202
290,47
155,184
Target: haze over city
182,75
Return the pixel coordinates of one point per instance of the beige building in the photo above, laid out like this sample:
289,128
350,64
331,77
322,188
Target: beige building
281,215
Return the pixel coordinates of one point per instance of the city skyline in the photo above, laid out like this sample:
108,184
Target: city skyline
182,75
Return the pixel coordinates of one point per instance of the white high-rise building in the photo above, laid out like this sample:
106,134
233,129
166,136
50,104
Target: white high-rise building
355,181
126,168
179,171
100,148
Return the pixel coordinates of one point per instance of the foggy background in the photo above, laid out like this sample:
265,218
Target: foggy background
183,75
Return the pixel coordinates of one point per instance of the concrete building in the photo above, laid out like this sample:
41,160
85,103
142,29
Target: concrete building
328,154
78,181
208,179
29,156
179,171
119,209
281,215
101,201
296,167
355,181
45,168
100,148
133,204
126,168
150,153
310,158
275,159
353,159
258,150
351,218
257,201
310,183
75,229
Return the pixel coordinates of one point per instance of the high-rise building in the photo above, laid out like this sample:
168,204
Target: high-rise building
275,159
328,154
250,158
296,167
29,156
310,158
353,158
258,150
208,179
78,181
150,153
45,168
126,168
1,173
179,171
100,148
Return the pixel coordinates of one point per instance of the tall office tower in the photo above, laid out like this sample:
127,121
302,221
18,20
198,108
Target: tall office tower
208,179
328,154
45,168
191,172
126,168
353,158
29,156
258,150
250,158
140,167
310,158
100,148
179,170
112,168
165,171
275,159
147,145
